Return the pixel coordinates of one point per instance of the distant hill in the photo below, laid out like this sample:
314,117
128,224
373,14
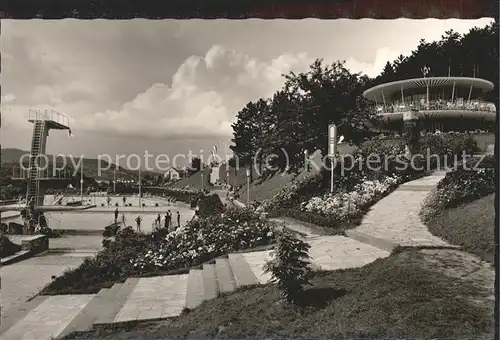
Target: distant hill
12,156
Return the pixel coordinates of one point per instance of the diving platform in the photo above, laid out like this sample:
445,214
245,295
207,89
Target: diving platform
54,120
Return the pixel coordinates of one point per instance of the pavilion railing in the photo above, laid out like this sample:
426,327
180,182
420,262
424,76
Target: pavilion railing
474,105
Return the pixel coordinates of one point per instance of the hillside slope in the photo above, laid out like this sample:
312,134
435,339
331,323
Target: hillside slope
11,158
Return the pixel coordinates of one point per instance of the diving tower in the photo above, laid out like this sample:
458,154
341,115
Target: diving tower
43,122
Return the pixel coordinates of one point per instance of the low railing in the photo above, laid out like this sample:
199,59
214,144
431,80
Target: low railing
437,105
48,115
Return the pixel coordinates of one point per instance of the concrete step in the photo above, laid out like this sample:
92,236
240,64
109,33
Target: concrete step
210,285
114,301
194,296
225,276
11,316
243,275
95,309
256,261
371,240
47,320
155,298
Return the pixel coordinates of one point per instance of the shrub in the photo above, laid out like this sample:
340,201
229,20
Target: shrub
456,188
210,205
290,266
7,247
111,230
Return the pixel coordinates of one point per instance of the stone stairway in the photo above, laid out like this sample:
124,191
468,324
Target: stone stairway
150,298
162,297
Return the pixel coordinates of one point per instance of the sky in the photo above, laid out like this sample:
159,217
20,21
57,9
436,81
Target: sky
170,86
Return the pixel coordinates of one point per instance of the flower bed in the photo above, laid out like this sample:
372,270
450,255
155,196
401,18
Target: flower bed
161,253
344,209
204,239
459,187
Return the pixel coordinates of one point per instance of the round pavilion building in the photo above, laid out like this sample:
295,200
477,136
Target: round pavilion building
443,104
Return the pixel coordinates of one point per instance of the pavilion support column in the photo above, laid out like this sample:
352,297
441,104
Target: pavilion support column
383,98
427,94
402,96
453,92
470,93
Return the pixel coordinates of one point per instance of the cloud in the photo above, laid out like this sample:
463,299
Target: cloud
8,98
373,69
205,95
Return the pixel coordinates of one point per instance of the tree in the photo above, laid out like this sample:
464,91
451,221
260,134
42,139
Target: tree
328,94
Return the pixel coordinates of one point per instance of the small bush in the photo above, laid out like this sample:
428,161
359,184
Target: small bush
210,205
290,266
111,230
7,248
456,188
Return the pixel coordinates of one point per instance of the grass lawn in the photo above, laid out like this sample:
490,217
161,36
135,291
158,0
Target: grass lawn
408,294
470,226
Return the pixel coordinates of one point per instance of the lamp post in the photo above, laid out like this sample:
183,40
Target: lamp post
81,183
248,186
114,181
140,193
332,150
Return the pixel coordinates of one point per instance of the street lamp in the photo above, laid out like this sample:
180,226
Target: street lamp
332,150
248,186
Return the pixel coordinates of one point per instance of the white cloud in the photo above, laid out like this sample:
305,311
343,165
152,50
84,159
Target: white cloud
372,70
8,98
205,95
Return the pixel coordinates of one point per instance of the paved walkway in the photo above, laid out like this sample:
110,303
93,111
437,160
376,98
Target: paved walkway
395,218
23,280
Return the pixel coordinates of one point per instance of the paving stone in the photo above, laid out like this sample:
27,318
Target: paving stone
48,320
225,277
256,261
395,218
243,275
154,298
194,293
210,285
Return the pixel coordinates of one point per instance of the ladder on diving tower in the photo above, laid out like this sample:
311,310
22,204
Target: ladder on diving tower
34,165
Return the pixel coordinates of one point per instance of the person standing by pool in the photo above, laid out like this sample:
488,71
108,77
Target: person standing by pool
116,214
158,221
108,200
178,220
166,221
169,217
124,200
138,221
